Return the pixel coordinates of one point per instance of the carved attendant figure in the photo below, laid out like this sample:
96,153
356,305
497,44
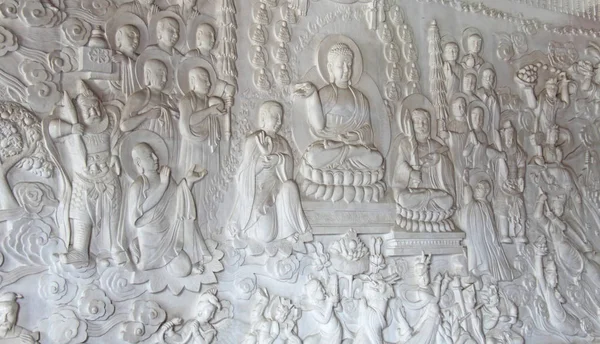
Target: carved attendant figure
487,94
455,133
96,189
339,116
150,108
205,43
509,205
477,220
127,40
186,9
164,215
423,179
473,59
142,8
200,330
167,35
10,332
268,205
452,69
323,304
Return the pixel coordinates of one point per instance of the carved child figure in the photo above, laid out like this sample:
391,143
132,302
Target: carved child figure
199,330
10,332
273,318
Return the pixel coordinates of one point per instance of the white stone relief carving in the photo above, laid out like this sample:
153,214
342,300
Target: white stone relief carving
372,171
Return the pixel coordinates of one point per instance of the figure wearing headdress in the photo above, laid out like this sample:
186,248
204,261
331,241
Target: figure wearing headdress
88,132
10,332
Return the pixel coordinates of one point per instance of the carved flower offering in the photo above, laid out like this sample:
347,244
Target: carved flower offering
64,327
8,41
528,74
285,269
95,305
245,287
349,255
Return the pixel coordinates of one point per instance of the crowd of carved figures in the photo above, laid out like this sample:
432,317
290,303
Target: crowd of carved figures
155,187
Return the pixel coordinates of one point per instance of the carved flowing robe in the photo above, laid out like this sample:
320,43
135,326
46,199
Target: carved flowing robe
424,303
268,205
477,220
342,119
547,110
437,177
169,228
372,322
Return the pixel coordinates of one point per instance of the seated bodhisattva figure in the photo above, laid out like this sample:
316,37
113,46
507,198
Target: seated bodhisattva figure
343,162
423,178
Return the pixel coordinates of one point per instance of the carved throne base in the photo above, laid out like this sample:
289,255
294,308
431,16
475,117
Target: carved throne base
406,244
327,218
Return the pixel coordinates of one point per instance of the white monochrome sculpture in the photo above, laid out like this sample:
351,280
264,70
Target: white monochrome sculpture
299,171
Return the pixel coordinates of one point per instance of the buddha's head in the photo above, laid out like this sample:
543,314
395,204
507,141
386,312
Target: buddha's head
167,32
144,158
459,108
89,107
469,83
200,80
270,116
450,52
474,43
208,305
508,134
205,37
477,118
127,39
339,64
421,123
155,74
551,88
9,310
488,78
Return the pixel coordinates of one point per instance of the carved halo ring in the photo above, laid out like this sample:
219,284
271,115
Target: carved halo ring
468,32
486,114
193,27
183,73
413,102
141,136
155,53
152,27
118,21
330,41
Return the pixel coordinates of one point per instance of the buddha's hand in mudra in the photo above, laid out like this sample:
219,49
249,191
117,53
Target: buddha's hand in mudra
430,159
304,89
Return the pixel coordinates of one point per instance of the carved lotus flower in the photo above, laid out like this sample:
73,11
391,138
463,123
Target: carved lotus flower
8,41
284,269
75,31
63,327
95,305
349,255
54,288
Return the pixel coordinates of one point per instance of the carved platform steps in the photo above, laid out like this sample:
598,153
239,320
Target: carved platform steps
328,218
404,243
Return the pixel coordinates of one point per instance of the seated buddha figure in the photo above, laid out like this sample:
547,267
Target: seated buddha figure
423,179
343,163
